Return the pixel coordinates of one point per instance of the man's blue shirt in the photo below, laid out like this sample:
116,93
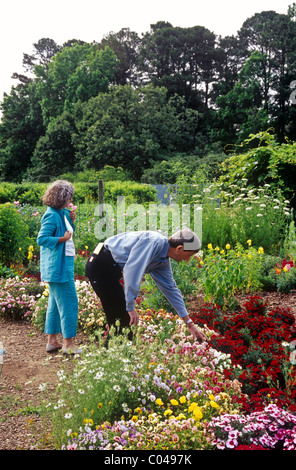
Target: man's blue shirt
138,253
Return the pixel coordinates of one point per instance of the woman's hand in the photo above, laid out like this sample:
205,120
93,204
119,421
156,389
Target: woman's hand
66,237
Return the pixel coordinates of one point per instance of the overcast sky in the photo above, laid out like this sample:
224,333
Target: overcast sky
23,23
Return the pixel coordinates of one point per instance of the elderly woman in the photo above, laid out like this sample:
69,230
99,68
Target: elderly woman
57,253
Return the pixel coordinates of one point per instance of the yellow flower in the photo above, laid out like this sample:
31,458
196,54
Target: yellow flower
168,412
214,404
192,407
88,421
197,414
217,248
249,242
174,402
227,246
182,399
261,250
159,402
210,246
100,405
134,419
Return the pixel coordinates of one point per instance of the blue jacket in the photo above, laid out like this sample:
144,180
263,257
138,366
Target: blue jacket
52,253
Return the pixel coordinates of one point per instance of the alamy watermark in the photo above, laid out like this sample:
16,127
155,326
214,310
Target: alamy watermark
158,217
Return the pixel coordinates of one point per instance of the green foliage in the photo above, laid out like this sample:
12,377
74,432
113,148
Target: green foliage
31,193
226,272
129,128
108,173
14,239
185,275
234,213
268,162
170,170
76,73
132,191
130,101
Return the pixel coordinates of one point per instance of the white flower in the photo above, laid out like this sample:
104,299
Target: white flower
68,415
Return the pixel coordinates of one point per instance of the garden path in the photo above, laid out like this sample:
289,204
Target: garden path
26,366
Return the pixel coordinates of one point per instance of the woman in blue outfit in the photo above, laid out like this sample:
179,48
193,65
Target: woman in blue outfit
57,254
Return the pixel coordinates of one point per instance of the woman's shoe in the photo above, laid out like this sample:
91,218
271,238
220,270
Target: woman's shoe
72,350
52,348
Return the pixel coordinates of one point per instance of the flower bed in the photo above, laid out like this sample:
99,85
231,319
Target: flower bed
262,345
18,297
271,428
150,394
165,391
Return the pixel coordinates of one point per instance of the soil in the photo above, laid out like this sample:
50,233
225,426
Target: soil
27,365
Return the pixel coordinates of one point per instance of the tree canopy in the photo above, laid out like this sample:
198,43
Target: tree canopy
132,101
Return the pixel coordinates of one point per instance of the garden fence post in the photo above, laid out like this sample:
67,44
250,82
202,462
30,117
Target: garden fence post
101,197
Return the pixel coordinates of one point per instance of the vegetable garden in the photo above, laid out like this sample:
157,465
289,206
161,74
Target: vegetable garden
163,391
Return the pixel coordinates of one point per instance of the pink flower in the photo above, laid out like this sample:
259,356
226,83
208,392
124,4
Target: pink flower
231,443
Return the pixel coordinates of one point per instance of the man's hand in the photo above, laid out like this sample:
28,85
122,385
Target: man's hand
134,317
196,333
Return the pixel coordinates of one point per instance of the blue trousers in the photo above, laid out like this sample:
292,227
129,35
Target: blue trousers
62,309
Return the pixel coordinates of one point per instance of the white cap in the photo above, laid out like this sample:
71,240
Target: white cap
188,239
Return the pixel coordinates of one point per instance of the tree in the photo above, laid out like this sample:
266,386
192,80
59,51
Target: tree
55,152
125,45
241,111
20,129
78,72
274,36
181,59
129,128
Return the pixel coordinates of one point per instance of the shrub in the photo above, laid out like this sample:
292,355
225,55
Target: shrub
14,239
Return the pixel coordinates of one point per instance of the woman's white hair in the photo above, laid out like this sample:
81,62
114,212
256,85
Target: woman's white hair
58,194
